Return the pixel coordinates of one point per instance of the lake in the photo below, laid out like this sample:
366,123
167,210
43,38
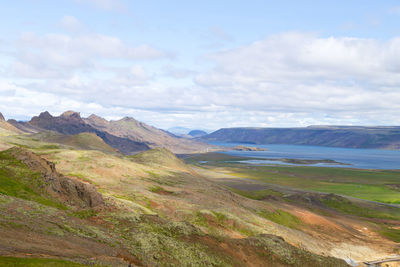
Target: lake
357,158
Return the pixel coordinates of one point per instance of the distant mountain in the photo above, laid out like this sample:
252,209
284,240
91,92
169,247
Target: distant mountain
179,130
140,132
334,136
127,135
197,133
71,123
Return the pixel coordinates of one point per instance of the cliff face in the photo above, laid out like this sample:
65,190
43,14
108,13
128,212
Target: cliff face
334,136
67,123
67,190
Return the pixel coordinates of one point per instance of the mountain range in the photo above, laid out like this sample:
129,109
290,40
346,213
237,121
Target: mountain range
126,135
332,136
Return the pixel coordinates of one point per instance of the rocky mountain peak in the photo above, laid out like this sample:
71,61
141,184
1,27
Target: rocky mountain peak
96,119
1,117
71,114
45,115
128,119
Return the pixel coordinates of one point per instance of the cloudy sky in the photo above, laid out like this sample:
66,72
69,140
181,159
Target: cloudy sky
203,64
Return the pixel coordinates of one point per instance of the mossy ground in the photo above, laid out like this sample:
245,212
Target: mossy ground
37,262
281,217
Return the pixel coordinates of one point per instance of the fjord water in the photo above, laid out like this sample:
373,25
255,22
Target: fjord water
356,157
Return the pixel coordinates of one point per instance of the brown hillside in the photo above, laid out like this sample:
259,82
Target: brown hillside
82,141
7,128
138,131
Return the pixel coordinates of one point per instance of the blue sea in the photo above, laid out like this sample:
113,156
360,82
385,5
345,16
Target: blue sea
355,157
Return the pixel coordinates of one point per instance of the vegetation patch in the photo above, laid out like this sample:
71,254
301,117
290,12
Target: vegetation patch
81,177
281,217
200,219
346,206
257,194
36,262
391,233
84,214
160,190
49,147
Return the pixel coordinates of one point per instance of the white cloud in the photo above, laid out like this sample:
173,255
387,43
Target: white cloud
58,55
176,72
297,72
291,79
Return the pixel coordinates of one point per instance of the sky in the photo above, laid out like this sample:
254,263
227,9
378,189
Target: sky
203,64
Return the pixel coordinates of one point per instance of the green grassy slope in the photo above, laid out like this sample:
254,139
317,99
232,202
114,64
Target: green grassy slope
36,262
83,141
374,185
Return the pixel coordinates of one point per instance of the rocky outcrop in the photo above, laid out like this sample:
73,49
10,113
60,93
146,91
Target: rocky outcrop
1,117
70,191
69,122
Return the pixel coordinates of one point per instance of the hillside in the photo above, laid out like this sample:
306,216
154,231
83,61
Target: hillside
161,157
334,136
27,176
7,128
168,218
82,141
141,132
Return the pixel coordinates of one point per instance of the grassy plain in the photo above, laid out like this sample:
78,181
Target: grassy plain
374,185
